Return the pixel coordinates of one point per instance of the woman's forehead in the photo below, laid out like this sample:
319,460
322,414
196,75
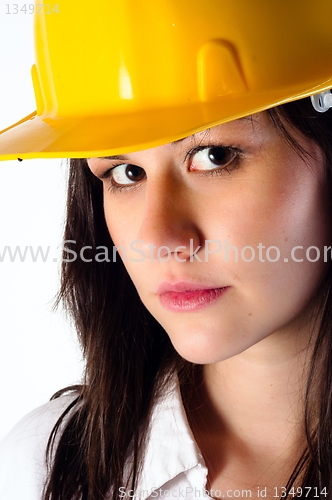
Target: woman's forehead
229,127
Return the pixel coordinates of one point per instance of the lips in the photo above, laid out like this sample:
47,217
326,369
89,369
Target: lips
183,296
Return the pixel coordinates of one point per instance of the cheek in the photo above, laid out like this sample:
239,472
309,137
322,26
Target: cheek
287,207
290,215
120,224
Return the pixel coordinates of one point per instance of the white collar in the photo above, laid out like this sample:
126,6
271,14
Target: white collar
170,445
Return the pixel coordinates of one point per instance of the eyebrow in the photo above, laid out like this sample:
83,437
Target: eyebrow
173,143
125,157
115,157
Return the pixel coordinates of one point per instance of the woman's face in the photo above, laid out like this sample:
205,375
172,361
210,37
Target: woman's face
182,214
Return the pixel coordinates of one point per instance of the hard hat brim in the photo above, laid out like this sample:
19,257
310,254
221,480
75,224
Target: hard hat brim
95,136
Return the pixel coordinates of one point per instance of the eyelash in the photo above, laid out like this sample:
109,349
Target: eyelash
229,167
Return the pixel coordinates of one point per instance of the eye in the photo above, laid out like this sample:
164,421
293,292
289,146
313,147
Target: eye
210,158
126,174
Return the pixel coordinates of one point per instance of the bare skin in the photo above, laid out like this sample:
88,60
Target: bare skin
254,339
247,415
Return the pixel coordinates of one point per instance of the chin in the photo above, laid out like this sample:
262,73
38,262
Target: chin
206,348
203,357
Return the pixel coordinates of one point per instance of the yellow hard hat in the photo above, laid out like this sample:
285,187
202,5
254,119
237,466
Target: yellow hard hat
116,76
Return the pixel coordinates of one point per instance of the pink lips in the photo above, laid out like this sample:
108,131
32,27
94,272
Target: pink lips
184,296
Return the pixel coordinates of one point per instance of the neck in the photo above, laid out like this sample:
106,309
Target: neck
247,414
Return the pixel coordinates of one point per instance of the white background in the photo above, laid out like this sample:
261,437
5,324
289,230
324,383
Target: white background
38,349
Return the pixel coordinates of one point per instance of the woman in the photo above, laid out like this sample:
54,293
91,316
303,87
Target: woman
207,343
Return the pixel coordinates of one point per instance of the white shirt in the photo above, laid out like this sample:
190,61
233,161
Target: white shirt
172,467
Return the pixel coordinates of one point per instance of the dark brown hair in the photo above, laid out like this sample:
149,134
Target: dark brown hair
129,356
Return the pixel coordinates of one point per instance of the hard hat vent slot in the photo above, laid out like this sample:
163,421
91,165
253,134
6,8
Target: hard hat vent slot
219,71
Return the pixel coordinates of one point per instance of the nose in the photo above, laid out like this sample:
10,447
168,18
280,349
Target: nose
169,225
